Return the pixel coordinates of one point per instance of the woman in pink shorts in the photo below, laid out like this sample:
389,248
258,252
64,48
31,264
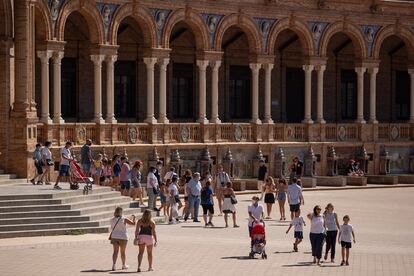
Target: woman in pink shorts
146,237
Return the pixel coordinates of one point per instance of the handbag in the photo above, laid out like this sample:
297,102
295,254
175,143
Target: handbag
110,235
136,241
154,190
233,199
49,162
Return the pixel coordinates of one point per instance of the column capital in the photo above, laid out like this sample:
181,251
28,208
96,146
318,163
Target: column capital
202,64
57,56
268,66
373,70
308,67
97,59
44,56
411,72
320,68
360,70
150,61
255,66
110,59
215,64
163,62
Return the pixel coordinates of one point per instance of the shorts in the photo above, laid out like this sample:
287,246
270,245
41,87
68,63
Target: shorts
117,174
298,235
186,199
118,241
269,198
125,185
207,208
281,196
136,184
145,240
346,244
86,168
64,170
294,207
39,167
163,198
98,171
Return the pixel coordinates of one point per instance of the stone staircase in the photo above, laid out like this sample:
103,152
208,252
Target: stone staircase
10,179
42,211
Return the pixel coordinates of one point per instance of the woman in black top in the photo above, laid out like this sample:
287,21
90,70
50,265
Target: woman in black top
145,237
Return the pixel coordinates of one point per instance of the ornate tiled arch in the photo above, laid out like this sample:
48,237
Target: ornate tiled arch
297,26
402,32
144,20
350,30
47,20
194,21
247,24
91,14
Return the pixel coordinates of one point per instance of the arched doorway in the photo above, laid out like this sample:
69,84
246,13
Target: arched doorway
236,77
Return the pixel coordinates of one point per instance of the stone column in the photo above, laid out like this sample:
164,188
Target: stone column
255,67
150,62
202,66
308,94
44,57
110,87
163,91
360,96
214,91
319,110
373,95
97,69
268,93
57,102
411,72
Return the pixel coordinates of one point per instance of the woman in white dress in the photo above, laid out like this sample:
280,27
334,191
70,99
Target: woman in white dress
229,203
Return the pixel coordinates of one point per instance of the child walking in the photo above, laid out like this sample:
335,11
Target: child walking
345,238
332,226
298,223
98,164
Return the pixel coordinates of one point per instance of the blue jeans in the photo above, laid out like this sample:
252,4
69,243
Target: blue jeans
317,244
194,202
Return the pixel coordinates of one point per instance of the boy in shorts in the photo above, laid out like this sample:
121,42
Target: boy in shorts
345,238
298,224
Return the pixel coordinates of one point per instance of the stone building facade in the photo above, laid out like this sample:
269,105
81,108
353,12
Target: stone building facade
251,76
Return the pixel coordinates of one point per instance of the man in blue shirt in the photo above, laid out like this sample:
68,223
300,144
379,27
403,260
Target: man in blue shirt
194,192
86,157
295,197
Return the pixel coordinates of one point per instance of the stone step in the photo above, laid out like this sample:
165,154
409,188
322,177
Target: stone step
26,196
106,201
41,226
58,219
39,214
8,182
7,176
31,202
1,171
53,232
30,208
103,208
96,196
71,193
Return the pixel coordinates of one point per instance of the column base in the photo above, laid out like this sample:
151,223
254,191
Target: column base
111,120
58,120
203,121
99,120
215,121
163,120
151,120
256,121
373,121
321,121
268,121
360,121
46,120
307,121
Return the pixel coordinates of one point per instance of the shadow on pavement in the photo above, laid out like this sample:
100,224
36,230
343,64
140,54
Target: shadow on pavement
299,264
96,270
284,252
238,258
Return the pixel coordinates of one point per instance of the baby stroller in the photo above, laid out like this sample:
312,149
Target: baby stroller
77,177
258,241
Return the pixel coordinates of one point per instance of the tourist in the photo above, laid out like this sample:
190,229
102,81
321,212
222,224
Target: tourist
169,175
222,178
107,171
47,160
174,201
146,237
206,178
298,224
317,233
158,172
295,197
255,211
163,197
152,189
229,203
65,159
119,236
86,157
194,191
125,176
183,186
351,168
136,176
207,202
98,164
37,157
269,195
262,175
332,226
281,197
116,171
345,238
296,169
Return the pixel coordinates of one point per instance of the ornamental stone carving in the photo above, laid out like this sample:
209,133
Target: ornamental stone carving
185,133
132,134
81,135
370,32
212,21
54,9
238,133
342,133
395,132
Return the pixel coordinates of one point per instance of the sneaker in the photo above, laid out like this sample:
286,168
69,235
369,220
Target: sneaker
125,266
197,221
206,225
211,224
346,263
48,183
56,187
33,181
342,263
236,226
39,183
113,267
139,269
170,222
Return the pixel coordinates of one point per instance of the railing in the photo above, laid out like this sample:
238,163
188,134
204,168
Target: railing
142,133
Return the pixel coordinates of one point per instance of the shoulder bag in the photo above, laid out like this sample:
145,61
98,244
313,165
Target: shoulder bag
110,235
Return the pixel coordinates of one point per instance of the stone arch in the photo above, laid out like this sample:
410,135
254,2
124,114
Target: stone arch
402,32
142,17
351,30
91,14
246,24
299,28
47,20
7,18
194,21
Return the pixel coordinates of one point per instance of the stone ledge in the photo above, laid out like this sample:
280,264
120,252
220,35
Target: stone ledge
239,185
406,179
356,180
308,182
334,181
383,179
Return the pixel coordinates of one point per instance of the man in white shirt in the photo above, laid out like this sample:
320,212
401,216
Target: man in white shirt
295,197
170,174
255,213
222,178
65,158
152,189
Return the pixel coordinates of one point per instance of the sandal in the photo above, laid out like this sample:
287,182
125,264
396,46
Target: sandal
342,263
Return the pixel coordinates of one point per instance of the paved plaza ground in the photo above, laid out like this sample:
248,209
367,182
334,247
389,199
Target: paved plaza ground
382,218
